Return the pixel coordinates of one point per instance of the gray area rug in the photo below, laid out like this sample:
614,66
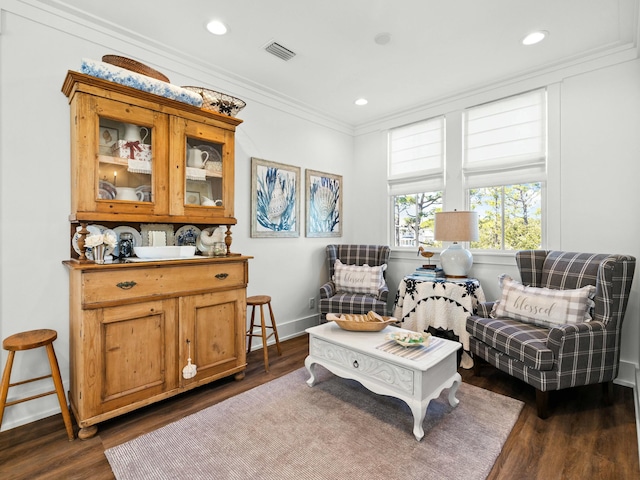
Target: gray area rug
335,430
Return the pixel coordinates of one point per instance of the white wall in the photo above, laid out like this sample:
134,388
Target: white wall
36,50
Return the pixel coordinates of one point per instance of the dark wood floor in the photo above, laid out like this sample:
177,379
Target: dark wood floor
583,439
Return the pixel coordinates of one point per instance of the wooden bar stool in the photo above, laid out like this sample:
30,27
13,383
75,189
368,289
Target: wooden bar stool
27,341
261,300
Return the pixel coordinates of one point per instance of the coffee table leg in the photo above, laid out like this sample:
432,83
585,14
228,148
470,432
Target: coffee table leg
419,410
311,368
453,401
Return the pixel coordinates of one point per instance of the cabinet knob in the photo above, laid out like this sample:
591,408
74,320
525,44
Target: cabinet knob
126,285
222,276
355,364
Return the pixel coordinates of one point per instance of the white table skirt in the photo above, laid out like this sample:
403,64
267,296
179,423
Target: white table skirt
442,304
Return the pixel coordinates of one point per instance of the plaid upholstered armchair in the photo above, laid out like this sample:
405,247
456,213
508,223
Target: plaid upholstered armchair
557,355
336,298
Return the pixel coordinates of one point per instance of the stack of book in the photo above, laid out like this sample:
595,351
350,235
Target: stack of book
429,273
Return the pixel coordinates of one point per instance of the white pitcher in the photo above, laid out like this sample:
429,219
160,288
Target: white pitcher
134,133
129,193
197,158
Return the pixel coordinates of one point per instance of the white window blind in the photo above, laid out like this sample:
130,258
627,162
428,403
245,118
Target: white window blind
508,137
416,157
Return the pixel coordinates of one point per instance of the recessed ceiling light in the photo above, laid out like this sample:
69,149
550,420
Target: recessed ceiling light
217,27
535,37
382,38
361,101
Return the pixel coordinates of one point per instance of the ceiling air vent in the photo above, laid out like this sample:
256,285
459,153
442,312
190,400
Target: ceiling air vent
279,51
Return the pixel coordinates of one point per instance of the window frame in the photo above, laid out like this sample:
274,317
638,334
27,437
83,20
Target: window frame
455,194
427,180
512,170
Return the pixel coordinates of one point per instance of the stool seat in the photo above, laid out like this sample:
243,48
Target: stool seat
258,300
262,300
28,341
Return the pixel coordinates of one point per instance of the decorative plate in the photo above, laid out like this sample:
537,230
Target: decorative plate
137,238
106,190
410,339
187,235
145,228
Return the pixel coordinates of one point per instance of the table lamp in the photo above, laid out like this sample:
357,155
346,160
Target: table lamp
456,227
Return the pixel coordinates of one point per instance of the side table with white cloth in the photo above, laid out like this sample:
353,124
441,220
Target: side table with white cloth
441,303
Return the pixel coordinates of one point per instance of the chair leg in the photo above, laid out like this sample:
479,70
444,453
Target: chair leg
264,339
607,392
6,380
250,332
477,366
542,403
275,330
57,381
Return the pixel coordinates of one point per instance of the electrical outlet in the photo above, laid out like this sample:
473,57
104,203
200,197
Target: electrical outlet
312,303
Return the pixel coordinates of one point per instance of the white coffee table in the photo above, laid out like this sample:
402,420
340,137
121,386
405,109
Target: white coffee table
354,355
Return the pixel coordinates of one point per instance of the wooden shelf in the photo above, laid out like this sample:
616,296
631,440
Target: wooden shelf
124,162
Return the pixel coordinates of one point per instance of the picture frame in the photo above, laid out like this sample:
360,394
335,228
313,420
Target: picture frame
107,139
323,204
199,189
275,199
192,198
145,228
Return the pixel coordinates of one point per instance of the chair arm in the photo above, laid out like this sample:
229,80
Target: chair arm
327,290
383,293
584,353
483,309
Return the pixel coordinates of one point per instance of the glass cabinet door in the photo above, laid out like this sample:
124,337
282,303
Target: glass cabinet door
206,185
125,162
203,173
123,153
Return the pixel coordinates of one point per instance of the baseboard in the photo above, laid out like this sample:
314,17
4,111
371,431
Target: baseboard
626,374
291,329
636,396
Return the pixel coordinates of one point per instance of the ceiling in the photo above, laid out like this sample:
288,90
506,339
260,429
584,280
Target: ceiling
438,48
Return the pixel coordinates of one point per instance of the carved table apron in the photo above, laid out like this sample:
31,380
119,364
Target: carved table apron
355,355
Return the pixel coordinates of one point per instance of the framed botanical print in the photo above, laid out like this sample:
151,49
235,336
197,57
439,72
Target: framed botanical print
275,199
324,204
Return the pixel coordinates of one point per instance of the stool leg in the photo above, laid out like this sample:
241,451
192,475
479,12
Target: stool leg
264,339
250,332
6,380
57,381
275,330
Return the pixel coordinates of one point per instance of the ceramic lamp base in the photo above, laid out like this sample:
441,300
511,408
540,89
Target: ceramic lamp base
456,261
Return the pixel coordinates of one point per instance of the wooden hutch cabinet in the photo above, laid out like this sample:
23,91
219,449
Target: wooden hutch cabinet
135,324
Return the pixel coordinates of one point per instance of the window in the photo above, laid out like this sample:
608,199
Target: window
416,180
504,167
509,216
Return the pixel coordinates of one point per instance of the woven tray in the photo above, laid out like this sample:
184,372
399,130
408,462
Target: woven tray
363,326
219,102
134,66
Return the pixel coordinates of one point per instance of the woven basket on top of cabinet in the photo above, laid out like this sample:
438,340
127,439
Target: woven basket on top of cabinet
218,102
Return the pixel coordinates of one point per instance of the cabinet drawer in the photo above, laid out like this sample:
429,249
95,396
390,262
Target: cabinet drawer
112,286
363,366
